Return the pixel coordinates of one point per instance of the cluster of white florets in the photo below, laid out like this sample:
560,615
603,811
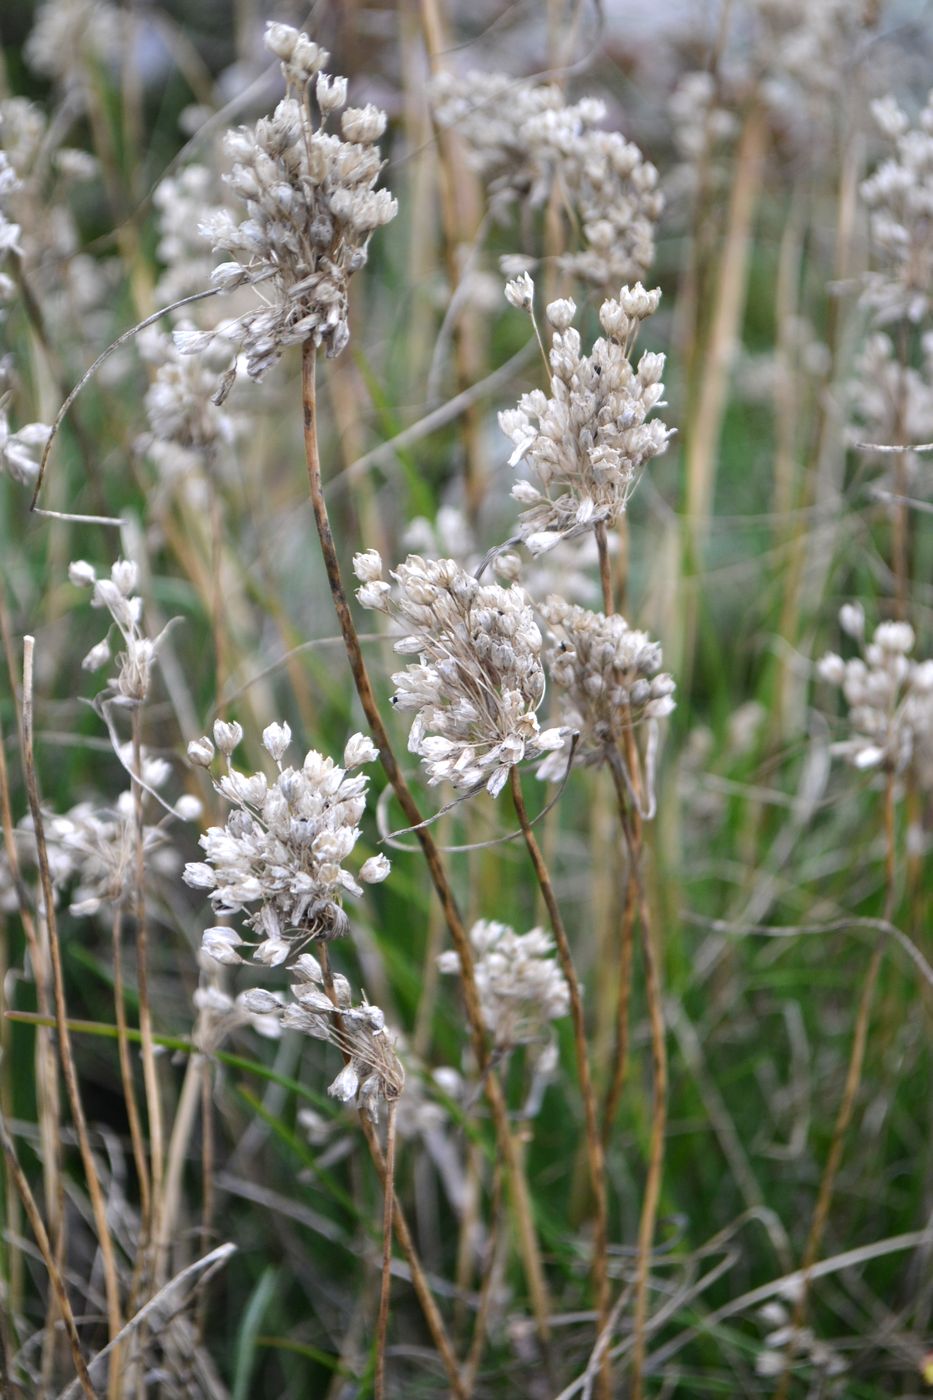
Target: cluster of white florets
890,699
372,1072
521,988
526,141
586,444
116,594
278,859
608,675
900,197
478,683
312,207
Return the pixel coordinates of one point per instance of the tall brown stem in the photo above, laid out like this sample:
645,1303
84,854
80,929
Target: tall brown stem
388,1190
594,1143
66,1054
150,1068
518,1185
631,828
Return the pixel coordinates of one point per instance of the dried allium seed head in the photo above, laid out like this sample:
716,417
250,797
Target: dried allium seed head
312,207
478,683
586,445
373,1072
609,677
900,195
130,687
525,140
890,699
278,859
521,988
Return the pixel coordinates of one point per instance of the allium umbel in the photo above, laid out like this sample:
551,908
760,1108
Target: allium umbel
478,683
278,860
890,698
527,142
608,676
130,686
587,443
521,988
372,1072
312,207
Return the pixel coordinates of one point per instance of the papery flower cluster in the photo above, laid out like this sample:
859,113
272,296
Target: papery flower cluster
20,451
278,859
130,686
97,846
312,207
608,675
184,200
92,847
38,226
900,197
890,699
186,429
586,444
373,1072
478,683
526,141
892,402
520,985
69,35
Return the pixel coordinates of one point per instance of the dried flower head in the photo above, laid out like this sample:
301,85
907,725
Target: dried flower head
21,451
526,141
521,988
586,445
890,699
900,195
130,686
187,431
478,682
278,859
891,402
372,1073
608,675
312,207
96,846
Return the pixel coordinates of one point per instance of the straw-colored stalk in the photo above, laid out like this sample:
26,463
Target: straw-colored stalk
531,1256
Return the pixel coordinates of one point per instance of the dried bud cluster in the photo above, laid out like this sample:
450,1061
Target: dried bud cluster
186,429
97,847
183,200
279,857
373,1071
526,141
521,988
587,443
312,207
478,683
71,35
892,402
890,699
900,196
609,675
21,451
130,686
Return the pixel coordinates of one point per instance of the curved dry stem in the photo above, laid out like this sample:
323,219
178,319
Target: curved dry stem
531,1255
594,1146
